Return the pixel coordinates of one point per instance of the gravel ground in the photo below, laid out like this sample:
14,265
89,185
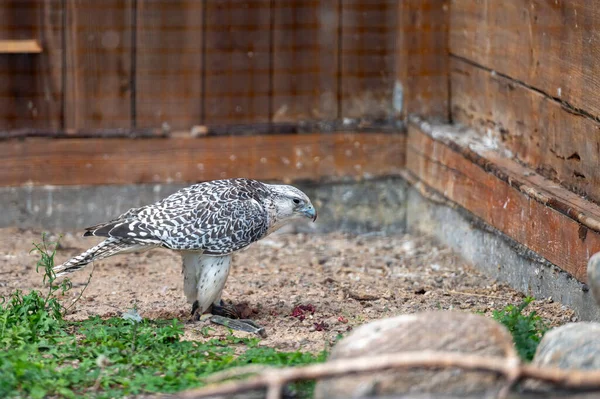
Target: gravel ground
345,279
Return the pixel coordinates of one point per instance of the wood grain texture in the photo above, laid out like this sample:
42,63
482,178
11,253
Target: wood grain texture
238,61
169,64
305,57
99,71
422,58
550,45
538,226
127,161
31,84
368,62
540,131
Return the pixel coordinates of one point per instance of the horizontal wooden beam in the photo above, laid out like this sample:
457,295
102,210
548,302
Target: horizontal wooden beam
284,157
541,215
541,132
20,47
229,129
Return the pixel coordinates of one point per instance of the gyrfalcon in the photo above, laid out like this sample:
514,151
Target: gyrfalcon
207,223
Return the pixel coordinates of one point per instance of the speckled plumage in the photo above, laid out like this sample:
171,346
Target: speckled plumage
207,222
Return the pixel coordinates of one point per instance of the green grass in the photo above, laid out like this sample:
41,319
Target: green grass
41,354
527,329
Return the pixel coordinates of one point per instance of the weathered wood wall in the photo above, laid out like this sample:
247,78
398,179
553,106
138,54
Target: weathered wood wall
524,74
31,85
172,65
527,72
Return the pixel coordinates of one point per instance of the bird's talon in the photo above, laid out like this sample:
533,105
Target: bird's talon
225,310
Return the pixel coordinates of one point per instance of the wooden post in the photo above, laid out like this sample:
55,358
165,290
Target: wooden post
422,59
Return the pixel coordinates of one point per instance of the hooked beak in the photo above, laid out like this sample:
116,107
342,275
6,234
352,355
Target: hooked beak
310,212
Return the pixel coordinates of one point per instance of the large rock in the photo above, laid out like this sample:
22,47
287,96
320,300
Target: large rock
572,346
442,331
593,275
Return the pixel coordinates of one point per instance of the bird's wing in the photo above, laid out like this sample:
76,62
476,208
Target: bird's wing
149,222
216,218
127,228
130,214
220,227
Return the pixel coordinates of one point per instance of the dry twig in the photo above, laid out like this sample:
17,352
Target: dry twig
452,292
237,372
510,367
82,290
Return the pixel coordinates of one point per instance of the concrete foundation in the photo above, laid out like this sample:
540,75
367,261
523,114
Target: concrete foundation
497,255
376,205
389,206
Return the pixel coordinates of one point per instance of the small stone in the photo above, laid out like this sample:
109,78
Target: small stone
407,247
436,331
362,295
328,280
102,361
322,260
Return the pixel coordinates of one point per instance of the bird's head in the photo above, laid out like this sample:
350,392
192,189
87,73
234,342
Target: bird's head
291,203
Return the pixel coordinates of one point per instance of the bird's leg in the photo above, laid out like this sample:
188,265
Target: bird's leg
228,316
197,312
195,307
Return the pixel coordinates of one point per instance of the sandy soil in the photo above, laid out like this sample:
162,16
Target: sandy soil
347,279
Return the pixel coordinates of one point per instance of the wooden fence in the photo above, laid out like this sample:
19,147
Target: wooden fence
169,65
524,73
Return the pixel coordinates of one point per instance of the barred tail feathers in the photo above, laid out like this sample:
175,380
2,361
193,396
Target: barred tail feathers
106,248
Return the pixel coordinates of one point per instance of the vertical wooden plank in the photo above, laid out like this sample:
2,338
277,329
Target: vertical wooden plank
169,63
31,84
99,70
237,74
305,61
423,58
52,61
368,46
8,114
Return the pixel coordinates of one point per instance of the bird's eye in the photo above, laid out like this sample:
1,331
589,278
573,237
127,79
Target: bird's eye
296,201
